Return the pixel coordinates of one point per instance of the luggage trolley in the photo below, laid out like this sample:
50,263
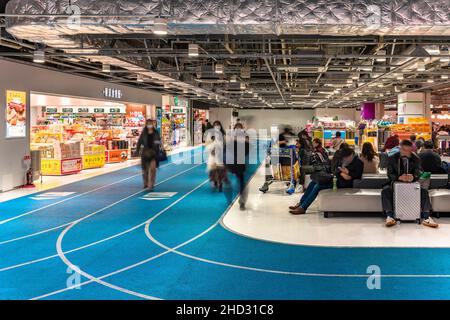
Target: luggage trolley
278,159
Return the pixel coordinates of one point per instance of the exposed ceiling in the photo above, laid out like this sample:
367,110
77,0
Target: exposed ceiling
269,54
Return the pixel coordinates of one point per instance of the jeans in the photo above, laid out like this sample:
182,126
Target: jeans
387,198
311,193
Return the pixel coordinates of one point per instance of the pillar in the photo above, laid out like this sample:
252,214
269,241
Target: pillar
411,105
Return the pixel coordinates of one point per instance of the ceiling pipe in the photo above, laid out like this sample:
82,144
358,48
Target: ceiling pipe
275,81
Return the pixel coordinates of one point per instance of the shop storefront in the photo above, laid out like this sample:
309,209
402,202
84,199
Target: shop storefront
75,123
199,126
74,134
174,124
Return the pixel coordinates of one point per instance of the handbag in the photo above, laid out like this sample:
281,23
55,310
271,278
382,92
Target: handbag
162,155
322,177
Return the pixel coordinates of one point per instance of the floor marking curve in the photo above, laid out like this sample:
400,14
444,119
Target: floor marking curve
95,279
98,241
66,224
84,193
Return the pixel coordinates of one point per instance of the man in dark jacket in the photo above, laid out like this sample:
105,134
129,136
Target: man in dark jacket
405,167
431,161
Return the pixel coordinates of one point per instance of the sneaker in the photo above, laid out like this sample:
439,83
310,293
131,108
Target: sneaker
390,222
430,223
294,206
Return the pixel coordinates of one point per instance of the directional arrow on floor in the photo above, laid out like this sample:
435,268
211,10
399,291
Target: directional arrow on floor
158,196
51,195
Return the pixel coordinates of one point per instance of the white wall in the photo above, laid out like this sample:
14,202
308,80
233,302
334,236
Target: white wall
265,118
221,114
21,77
342,114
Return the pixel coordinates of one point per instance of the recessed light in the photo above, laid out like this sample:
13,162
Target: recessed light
160,26
39,56
193,50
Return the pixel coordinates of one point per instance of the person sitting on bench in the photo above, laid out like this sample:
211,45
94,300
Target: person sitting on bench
349,168
405,166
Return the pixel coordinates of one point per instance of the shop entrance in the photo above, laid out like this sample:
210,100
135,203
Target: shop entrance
73,134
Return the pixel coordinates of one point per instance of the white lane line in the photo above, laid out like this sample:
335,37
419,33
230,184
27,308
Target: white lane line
64,200
79,195
99,280
66,224
99,241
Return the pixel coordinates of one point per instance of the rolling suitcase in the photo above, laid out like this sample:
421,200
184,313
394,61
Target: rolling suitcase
407,201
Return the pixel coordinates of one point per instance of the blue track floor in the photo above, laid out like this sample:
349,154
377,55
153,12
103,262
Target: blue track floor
127,246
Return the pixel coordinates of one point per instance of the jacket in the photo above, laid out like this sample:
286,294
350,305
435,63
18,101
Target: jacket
396,169
150,141
431,162
355,168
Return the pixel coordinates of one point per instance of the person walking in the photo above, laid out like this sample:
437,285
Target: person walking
215,147
237,149
150,142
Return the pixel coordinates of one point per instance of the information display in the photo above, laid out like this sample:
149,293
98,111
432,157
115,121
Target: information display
16,114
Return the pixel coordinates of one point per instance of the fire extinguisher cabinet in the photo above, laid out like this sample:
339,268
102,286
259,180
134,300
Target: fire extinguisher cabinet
36,164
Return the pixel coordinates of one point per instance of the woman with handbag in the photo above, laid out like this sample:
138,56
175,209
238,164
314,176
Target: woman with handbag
150,142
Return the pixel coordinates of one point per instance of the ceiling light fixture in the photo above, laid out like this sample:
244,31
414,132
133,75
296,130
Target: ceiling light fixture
382,56
160,26
106,68
420,66
219,68
39,56
139,78
193,50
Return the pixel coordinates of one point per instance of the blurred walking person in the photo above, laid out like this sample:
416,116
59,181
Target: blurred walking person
215,148
237,150
150,142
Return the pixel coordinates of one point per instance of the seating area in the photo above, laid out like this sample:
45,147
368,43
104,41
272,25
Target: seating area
366,196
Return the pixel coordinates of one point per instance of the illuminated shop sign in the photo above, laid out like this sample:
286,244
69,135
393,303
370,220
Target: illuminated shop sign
112,93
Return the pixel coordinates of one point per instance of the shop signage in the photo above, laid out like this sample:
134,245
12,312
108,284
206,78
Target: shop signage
112,93
114,110
93,161
99,110
177,110
67,110
51,110
83,110
16,114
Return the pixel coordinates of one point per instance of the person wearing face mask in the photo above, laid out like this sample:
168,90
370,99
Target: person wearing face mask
214,146
150,142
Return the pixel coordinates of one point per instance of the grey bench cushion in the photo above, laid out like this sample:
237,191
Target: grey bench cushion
377,181
371,181
350,200
369,200
440,200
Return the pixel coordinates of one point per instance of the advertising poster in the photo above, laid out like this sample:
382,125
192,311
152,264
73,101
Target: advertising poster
16,114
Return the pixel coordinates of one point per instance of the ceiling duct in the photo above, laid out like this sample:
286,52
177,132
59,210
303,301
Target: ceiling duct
326,17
